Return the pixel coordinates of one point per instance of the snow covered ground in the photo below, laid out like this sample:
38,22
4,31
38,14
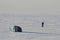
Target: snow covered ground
30,24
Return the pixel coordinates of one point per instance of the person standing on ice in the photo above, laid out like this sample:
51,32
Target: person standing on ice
42,24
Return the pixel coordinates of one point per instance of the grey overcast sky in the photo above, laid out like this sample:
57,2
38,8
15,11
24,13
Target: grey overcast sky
30,7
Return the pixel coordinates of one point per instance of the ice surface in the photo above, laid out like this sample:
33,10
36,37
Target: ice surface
30,24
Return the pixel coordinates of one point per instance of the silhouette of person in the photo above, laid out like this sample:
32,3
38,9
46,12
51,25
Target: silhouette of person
17,29
42,24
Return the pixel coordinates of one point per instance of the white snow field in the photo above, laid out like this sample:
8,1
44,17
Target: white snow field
50,31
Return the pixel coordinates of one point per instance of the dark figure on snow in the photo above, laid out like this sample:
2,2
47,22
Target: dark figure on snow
42,24
17,29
